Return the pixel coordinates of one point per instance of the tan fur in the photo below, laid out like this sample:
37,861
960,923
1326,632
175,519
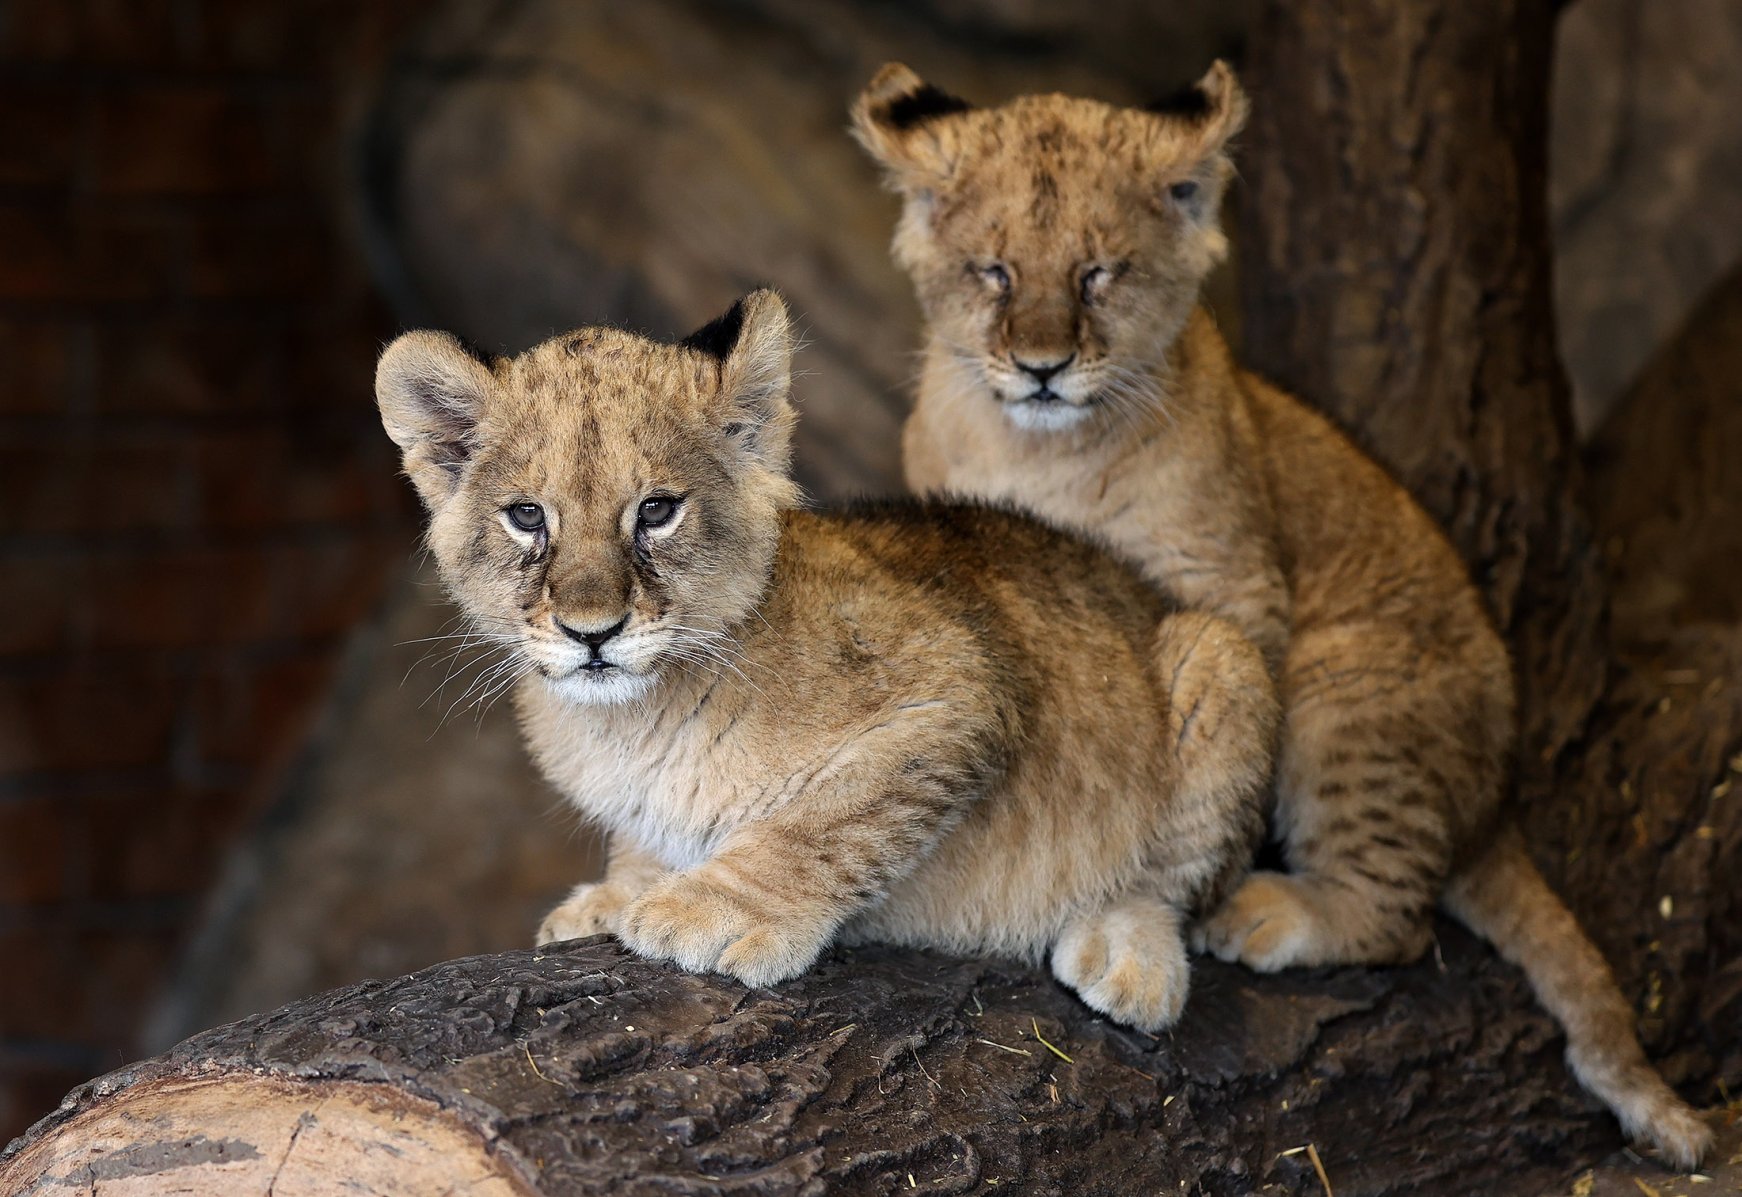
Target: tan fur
1073,236
920,724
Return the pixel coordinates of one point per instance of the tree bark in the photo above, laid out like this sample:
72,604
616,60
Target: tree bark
1396,265
582,1070
1666,487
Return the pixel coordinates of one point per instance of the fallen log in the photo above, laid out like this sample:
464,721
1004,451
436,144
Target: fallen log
582,1070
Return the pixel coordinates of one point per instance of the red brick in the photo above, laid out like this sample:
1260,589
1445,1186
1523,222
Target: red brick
81,985
267,253
47,134
107,715
162,843
60,489
251,714
40,595
216,365
183,140
55,251
34,1003
269,480
332,364
34,849
107,32
182,597
36,366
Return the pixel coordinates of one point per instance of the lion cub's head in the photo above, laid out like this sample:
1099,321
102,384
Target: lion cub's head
603,505
1057,244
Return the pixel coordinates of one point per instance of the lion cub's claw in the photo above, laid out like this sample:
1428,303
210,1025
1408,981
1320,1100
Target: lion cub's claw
702,927
590,910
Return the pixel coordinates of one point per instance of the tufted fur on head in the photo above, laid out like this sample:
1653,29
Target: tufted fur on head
537,472
1053,231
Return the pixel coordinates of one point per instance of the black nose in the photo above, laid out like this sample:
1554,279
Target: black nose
592,640
1041,371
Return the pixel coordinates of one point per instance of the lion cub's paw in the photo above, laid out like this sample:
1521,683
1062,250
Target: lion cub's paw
590,910
1128,964
704,927
1270,923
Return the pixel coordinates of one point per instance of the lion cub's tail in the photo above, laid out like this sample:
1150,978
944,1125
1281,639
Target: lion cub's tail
1503,898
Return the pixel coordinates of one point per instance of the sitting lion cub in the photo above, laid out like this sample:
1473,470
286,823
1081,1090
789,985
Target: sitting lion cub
920,724
1057,246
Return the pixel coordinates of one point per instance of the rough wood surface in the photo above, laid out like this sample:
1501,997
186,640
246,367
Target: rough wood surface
1396,265
582,1070
1666,477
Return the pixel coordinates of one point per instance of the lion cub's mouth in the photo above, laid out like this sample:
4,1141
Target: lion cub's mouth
1044,409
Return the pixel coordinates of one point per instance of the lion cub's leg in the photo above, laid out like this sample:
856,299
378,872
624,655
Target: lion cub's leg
767,903
1384,760
593,907
1128,960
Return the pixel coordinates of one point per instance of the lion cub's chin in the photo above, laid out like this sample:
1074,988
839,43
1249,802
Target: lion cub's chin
601,688
1055,416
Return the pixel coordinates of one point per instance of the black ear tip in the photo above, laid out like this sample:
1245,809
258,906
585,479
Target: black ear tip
475,351
923,103
719,336
1189,101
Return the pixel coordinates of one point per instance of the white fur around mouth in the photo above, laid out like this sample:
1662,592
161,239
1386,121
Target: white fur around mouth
601,687
1049,416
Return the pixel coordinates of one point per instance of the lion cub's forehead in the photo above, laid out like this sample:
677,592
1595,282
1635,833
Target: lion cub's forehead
599,401
1052,161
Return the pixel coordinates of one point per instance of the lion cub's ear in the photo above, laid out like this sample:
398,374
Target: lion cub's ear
909,126
431,391
752,343
1201,117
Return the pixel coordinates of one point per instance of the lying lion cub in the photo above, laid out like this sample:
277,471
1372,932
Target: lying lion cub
920,724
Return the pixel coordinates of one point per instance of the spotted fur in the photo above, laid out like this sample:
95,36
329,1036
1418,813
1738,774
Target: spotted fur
915,723
1058,246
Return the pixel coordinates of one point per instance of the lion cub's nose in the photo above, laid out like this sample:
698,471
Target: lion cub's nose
1042,372
595,638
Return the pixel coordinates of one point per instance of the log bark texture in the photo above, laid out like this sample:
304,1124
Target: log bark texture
582,1070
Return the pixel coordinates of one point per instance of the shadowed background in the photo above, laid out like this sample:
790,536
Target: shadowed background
225,778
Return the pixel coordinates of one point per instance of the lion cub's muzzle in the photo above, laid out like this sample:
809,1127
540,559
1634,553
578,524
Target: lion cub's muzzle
594,640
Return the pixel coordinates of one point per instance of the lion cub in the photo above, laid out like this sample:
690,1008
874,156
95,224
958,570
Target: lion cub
1057,246
919,724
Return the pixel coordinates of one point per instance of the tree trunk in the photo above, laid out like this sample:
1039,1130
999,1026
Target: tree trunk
1666,487
1397,267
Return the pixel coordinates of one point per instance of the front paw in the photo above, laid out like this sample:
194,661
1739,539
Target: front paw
1130,967
704,927
1268,924
591,909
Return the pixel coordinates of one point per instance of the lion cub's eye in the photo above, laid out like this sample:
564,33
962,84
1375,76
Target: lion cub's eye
996,277
1095,280
528,517
657,511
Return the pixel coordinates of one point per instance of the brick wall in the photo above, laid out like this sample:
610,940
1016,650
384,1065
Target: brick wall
196,504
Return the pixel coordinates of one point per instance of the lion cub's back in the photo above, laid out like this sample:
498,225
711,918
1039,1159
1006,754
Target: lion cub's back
1004,570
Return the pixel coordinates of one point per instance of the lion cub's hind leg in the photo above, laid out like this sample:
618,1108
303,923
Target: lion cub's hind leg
1127,959
1372,761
